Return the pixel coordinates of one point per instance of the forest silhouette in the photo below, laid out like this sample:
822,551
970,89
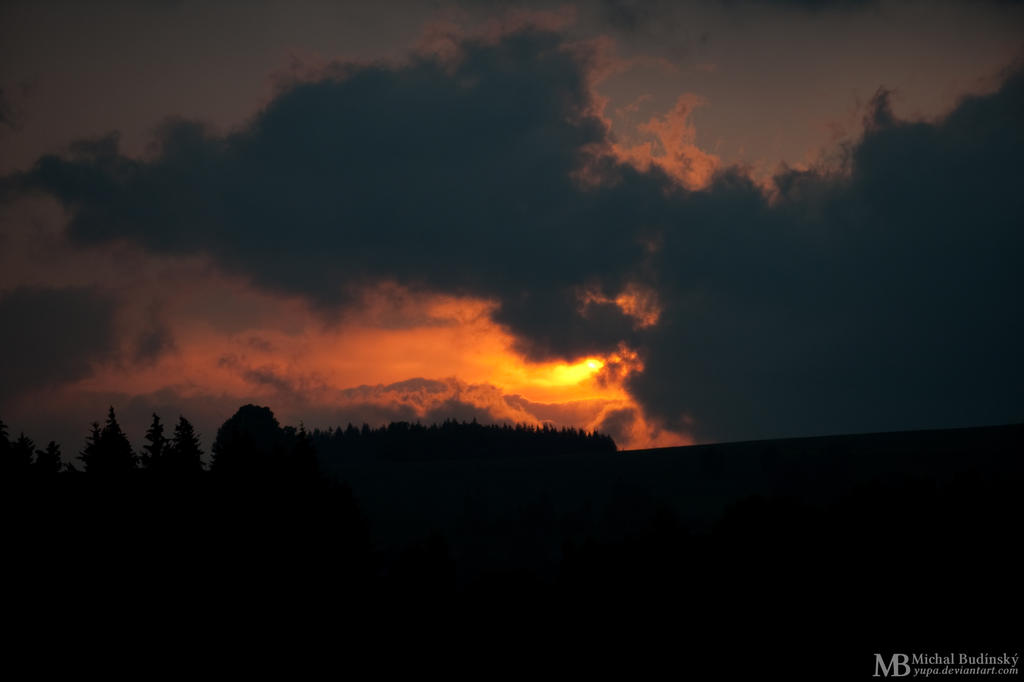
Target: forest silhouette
831,532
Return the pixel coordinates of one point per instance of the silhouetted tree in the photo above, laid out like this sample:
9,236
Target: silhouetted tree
21,454
6,457
248,441
303,453
108,451
456,440
91,452
155,451
116,444
48,462
185,454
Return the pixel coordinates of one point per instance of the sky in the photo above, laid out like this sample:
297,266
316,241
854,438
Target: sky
674,222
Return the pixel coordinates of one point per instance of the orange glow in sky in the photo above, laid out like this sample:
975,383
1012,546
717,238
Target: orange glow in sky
401,351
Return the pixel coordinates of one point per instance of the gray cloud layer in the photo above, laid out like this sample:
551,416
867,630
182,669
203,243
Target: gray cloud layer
51,336
886,296
889,299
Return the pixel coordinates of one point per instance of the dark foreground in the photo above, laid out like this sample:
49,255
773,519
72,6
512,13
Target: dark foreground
789,559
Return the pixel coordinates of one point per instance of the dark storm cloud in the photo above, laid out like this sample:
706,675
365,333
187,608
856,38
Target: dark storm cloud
52,336
151,344
807,5
450,176
618,424
888,299
267,377
154,339
667,15
637,15
886,296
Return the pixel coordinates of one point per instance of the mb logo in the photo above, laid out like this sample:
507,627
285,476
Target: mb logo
898,666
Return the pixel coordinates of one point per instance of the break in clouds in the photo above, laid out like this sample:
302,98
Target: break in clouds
883,293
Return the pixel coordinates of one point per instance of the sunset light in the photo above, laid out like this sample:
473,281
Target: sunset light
682,316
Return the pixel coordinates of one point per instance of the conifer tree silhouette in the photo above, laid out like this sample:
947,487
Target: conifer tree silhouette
90,455
303,453
116,445
452,439
48,462
22,453
184,454
7,464
155,451
108,451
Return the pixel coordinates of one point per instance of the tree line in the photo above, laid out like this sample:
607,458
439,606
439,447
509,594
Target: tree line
272,536
458,440
253,440
107,451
